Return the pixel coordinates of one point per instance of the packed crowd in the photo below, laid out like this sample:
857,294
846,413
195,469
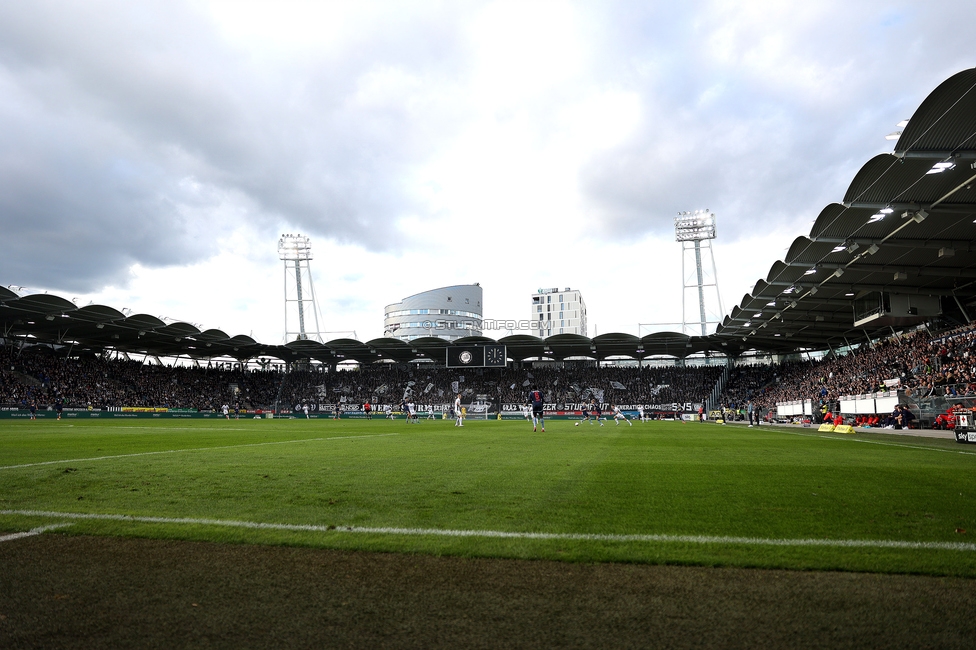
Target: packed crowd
38,375
924,366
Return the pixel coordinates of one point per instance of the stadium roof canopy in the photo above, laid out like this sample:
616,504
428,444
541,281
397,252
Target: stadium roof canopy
905,228
46,318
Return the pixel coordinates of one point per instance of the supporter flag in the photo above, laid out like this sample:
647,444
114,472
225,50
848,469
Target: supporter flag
618,385
454,387
597,393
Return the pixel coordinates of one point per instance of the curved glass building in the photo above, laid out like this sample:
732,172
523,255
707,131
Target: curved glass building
449,313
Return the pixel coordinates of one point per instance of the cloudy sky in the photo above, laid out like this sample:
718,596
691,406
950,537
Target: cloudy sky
151,153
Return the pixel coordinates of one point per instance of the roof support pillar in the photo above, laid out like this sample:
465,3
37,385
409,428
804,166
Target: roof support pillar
961,308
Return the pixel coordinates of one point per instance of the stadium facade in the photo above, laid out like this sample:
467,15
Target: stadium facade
449,313
558,312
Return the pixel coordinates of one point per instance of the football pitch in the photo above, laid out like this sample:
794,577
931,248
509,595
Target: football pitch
655,493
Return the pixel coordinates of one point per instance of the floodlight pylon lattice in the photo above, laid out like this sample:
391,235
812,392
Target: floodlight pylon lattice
696,230
296,253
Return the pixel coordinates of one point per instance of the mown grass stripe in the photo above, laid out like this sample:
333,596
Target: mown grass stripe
177,451
498,534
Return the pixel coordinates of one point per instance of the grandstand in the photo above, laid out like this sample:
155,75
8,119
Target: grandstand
874,300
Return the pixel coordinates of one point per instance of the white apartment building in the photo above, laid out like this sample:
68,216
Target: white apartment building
556,311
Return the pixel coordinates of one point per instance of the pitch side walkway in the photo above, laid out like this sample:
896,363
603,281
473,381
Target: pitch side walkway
918,433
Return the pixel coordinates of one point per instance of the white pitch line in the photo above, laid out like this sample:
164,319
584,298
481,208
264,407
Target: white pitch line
878,442
497,534
177,451
31,533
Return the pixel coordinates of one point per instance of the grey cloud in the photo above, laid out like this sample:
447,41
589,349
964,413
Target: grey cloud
114,105
755,151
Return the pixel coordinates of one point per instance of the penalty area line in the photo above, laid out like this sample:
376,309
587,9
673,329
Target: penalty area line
498,534
177,451
31,532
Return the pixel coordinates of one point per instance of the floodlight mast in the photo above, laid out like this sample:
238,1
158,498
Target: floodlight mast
296,252
694,228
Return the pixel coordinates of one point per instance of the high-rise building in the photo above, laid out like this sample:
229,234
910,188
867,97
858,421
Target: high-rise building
449,313
556,311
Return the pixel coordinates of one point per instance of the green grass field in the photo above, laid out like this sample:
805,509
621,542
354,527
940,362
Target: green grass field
658,492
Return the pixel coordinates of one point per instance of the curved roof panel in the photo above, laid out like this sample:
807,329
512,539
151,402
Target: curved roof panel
944,120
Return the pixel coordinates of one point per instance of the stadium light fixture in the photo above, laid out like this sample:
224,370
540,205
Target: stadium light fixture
920,216
853,247
872,249
810,271
838,273
940,167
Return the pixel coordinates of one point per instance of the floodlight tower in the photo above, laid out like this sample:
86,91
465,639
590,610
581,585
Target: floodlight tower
296,252
695,230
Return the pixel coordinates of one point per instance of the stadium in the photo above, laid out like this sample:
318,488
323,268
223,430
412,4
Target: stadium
802,476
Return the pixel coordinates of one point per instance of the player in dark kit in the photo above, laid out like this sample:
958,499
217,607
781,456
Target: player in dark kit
536,399
595,410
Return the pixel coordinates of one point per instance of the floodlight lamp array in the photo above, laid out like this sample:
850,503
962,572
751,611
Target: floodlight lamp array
294,248
694,226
